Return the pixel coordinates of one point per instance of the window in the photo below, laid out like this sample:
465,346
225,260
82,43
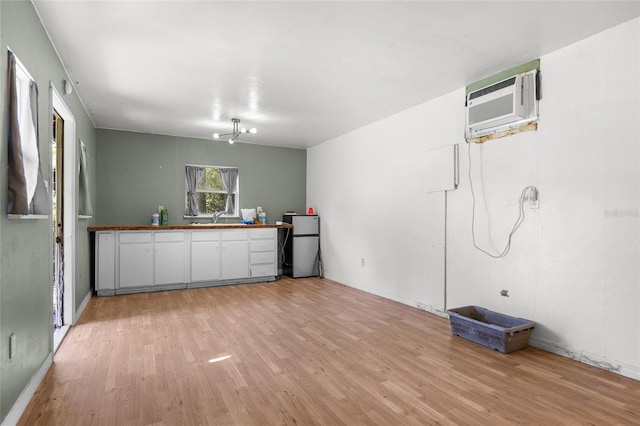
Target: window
210,191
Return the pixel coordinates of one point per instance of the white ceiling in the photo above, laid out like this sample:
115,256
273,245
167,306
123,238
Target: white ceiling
301,72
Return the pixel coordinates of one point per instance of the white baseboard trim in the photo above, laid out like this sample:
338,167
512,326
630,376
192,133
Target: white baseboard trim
82,307
59,335
595,360
25,397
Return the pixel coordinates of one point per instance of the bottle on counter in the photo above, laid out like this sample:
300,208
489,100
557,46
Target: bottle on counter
164,217
262,216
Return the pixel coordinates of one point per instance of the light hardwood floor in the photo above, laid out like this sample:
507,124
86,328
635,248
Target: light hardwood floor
305,351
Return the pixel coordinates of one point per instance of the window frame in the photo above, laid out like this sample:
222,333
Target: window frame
201,215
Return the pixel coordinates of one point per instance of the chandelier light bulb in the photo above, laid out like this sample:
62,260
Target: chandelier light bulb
232,140
253,130
243,130
216,135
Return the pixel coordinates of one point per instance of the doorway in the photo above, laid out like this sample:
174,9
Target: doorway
57,215
63,185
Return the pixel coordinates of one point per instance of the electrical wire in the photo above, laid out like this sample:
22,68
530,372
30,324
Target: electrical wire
284,243
517,224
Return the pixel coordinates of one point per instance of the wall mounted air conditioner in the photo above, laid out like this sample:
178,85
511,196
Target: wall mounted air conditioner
507,104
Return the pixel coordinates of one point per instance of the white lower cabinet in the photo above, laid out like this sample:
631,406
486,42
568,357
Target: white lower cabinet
105,247
135,259
132,261
168,259
263,252
205,256
234,255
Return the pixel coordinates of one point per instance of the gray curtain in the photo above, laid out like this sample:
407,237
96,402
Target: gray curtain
27,193
83,182
194,177
229,179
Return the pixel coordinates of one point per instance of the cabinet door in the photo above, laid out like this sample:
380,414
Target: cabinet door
205,261
235,259
169,263
105,265
136,265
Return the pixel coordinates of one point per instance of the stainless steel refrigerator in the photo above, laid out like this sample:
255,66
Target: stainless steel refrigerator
302,248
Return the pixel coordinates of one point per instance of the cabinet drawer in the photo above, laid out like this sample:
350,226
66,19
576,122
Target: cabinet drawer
135,237
263,270
205,236
169,236
262,233
234,235
266,257
262,245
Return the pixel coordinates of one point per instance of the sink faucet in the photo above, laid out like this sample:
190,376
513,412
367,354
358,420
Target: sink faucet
216,216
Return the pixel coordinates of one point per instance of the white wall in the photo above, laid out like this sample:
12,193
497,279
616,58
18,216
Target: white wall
573,267
366,186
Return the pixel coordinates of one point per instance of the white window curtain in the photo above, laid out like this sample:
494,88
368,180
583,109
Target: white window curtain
27,193
194,177
83,182
229,179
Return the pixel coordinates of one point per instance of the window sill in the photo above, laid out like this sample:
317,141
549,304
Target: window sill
27,216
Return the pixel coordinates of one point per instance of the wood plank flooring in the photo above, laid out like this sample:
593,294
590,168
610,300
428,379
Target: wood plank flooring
305,351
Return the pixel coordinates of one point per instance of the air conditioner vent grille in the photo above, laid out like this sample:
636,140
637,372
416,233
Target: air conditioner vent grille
501,85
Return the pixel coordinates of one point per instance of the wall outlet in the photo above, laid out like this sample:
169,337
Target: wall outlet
362,261
13,346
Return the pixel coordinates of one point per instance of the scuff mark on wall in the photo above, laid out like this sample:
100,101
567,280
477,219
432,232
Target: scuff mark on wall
600,364
584,357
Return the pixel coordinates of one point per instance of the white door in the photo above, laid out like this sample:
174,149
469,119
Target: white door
235,259
205,261
136,265
169,263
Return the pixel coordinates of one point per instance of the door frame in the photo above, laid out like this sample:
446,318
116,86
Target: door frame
69,200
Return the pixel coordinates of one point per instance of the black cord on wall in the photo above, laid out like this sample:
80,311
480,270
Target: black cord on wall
517,224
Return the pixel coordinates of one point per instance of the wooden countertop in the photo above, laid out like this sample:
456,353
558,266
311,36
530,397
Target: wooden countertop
182,227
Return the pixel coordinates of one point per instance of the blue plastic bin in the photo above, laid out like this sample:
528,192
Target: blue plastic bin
491,329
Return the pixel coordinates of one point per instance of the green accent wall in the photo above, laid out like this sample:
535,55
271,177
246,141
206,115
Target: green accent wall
138,172
25,245
535,64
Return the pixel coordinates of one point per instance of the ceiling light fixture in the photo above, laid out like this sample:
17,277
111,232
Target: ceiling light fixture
237,131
